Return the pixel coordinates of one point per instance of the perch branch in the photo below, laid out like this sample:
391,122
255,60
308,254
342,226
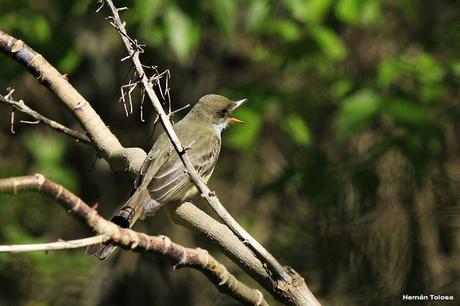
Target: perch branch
178,255
105,143
295,293
23,108
276,269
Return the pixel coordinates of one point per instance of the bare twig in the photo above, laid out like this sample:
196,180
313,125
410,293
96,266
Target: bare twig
276,269
54,246
127,90
22,107
158,245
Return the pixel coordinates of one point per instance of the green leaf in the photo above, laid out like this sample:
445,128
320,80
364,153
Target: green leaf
287,29
224,12
144,13
183,34
147,10
48,153
422,67
427,69
308,11
298,9
358,11
299,131
244,136
407,112
455,66
356,112
341,87
70,61
81,6
330,43
257,15
46,150
41,29
388,72
432,92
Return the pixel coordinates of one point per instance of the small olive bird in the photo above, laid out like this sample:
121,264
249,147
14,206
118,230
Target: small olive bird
162,177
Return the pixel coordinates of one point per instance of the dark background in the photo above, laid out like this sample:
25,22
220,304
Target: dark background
348,168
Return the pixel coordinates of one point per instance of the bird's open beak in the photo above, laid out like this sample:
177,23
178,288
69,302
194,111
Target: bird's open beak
236,105
234,120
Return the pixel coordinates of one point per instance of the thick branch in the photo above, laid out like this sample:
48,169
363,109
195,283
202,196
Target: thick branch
275,267
22,107
294,293
190,216
160,246
106,144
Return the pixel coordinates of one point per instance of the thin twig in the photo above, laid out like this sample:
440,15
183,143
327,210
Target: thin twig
128,239
54,246
180,109
23,108
276,269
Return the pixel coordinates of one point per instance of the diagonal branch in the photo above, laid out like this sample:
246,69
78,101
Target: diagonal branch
178,255
23,108
276,269
296,293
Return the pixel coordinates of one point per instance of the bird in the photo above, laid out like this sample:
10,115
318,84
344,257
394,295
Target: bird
162,177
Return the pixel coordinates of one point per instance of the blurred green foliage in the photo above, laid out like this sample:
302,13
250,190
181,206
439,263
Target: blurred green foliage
347,168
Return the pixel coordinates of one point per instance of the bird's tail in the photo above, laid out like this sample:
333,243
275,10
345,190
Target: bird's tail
125,217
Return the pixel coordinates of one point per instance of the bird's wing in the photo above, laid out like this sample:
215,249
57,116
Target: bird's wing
171,182
160,152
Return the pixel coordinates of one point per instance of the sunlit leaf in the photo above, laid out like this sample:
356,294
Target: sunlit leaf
388,72
224,12
331,44
309,11
341,87
356,112
298,9
183,34
70,61
287,29
48,154
407,112
358,11
144,13
297,129
41,29
45,149
427,69
257,15
455,66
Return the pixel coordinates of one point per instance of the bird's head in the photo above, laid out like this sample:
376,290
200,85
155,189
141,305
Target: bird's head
215,110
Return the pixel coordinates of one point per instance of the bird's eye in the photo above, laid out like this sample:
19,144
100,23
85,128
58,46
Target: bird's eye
223,113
